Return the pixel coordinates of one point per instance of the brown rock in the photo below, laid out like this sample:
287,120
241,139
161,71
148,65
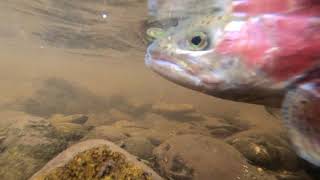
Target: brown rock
106,132
266,149
204,158
76,118
285,175
138,106
162,128
139,146
28,143
70,130
221,128
99,119
2,138
165,108
117,115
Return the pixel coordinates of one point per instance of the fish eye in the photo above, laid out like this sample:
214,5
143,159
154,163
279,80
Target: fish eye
198,41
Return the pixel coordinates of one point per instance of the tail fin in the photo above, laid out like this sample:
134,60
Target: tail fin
301,114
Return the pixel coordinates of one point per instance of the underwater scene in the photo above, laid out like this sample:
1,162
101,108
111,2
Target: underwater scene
142,90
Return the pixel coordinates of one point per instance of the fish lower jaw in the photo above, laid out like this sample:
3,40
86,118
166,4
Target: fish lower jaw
174,73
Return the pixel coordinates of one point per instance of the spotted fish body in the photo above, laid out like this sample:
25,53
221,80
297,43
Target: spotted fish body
268,55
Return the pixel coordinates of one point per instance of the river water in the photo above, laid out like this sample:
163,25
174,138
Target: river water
71,40
97,46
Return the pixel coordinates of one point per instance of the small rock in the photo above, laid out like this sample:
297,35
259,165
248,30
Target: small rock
131,127
164,108
95,158
265,149
2,138
77,119
219,128
186,157
138,107
139,146
70,130
117,115
106,132
160,128
292,176
99,119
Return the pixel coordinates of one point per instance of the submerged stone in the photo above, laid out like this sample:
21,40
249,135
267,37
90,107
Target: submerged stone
95,159
165,108
271,151
107,133
139,146
76,118
197,157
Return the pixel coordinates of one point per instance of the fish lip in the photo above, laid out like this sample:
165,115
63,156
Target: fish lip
158,56
157,62
164,66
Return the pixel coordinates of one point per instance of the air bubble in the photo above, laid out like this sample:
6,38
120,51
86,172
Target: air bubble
104,15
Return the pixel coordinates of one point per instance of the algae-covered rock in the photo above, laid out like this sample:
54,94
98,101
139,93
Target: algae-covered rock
70,131
69,126
95,159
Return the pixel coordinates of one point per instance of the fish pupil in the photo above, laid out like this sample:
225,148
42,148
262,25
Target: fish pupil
196,40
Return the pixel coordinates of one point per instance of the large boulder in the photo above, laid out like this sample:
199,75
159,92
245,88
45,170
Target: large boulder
95,159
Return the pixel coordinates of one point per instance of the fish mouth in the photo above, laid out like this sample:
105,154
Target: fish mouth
167,68
180,73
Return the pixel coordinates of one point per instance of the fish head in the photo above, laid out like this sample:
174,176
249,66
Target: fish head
187,56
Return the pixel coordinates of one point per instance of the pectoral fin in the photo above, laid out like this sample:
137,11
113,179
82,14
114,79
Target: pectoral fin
301,113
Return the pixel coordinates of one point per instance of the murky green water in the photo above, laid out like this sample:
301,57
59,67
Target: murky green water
87,57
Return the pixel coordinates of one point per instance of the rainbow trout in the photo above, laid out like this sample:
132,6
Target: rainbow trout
262,54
